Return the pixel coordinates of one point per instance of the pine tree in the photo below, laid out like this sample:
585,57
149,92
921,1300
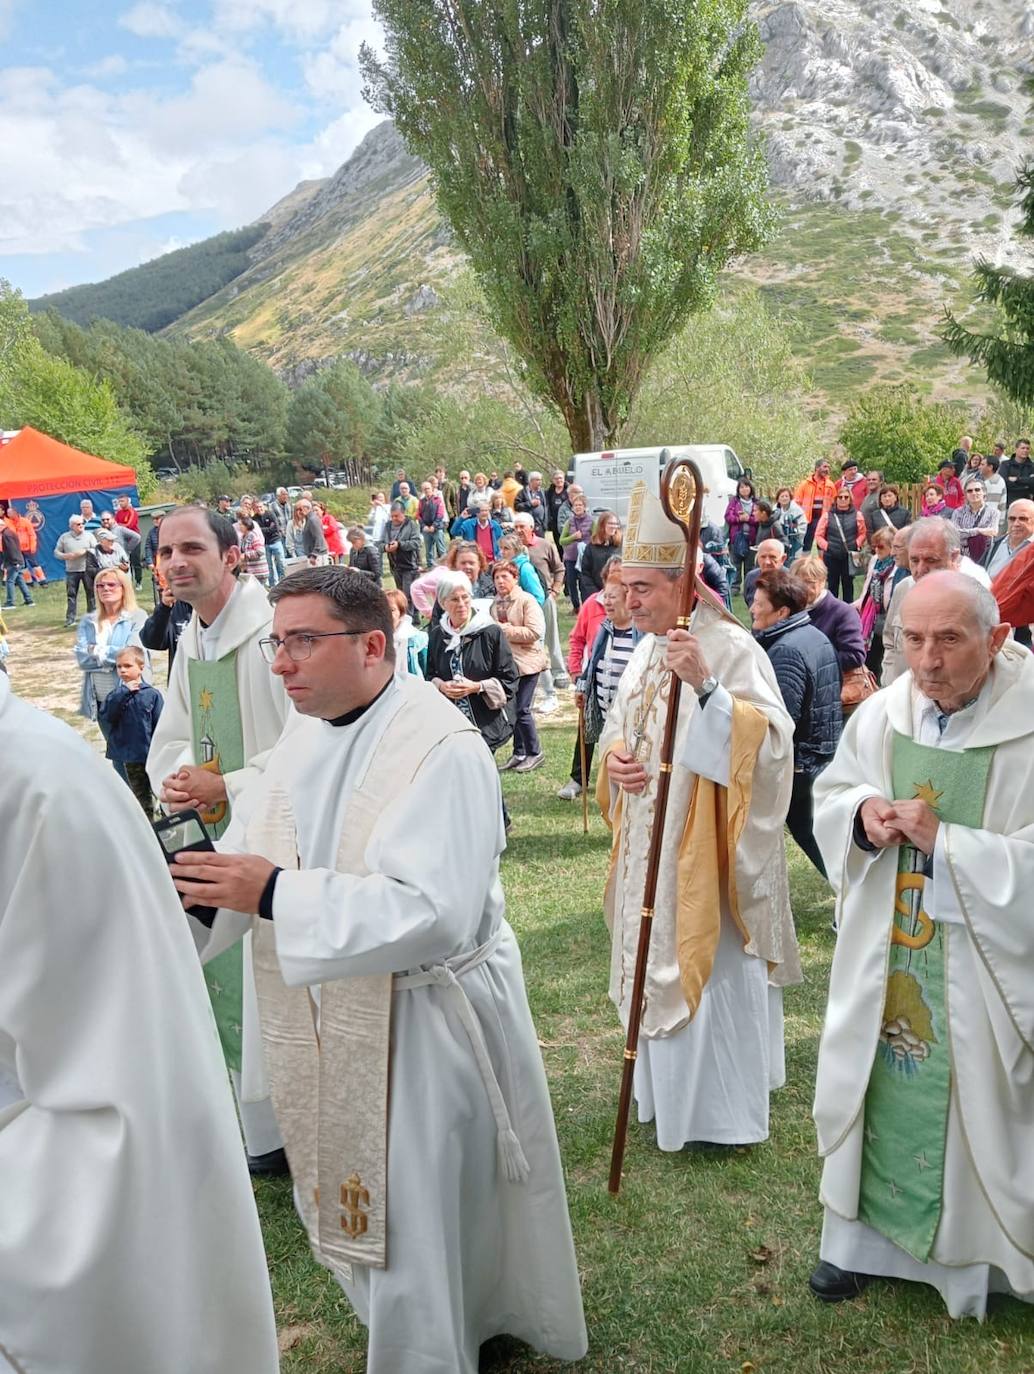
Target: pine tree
1008,355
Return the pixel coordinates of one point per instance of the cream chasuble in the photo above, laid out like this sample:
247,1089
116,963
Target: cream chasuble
723,943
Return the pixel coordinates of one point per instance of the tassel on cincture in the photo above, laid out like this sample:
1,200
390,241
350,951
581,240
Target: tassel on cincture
512,1161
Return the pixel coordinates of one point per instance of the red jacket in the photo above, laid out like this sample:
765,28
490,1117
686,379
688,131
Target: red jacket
1013,589
332,535
954,496
128,517
583,636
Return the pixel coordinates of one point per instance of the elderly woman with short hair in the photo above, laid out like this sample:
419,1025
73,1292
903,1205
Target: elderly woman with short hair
470,662
976,521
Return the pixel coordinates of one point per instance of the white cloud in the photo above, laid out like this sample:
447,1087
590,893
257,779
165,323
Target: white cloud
7,8
82,158
151,20
228,101
332,73
333,145
302,20
115,65
107,155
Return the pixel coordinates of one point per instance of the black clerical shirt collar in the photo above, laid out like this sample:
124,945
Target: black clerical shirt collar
350,717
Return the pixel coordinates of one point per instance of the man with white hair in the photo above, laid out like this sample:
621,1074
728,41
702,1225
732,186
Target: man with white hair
556,499
480,529
770,558
74,548
283,514
934,545
924,1099
532,501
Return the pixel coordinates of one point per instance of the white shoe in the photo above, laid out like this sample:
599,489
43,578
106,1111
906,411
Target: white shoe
570,791
547,706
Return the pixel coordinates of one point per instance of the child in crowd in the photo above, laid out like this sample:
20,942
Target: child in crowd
131,711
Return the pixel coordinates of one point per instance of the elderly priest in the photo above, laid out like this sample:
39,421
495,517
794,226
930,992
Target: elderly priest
723,943
925,1096
381,958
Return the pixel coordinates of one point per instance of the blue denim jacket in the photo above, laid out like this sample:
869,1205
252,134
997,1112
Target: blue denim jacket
99,676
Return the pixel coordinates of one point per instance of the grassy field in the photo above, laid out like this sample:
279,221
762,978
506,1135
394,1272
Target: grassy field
701,1264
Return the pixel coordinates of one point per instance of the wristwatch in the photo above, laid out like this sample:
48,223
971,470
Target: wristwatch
706,687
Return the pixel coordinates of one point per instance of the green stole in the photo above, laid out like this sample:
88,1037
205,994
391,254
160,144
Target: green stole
218,739
906,1103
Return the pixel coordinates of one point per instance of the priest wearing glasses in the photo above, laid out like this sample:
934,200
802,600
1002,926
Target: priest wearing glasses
439,1206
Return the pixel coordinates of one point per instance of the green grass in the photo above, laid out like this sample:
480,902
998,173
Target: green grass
701,1265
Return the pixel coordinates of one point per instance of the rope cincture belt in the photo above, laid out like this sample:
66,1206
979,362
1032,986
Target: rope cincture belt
447,976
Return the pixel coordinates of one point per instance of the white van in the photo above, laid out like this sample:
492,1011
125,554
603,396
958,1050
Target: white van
608,478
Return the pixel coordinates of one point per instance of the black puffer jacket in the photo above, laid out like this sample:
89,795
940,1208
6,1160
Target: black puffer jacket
484,653
808,674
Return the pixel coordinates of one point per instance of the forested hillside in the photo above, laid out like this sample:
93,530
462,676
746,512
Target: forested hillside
153,295
186,401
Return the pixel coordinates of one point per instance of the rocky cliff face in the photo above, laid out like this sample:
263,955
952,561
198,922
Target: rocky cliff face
916,107
381,163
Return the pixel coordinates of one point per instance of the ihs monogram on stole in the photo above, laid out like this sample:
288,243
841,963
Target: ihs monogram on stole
354,1199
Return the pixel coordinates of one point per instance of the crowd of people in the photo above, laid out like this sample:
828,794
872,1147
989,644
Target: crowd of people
316,725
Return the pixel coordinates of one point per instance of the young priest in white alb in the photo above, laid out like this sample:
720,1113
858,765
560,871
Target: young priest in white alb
382,955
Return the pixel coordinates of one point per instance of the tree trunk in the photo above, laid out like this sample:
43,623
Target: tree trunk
586,424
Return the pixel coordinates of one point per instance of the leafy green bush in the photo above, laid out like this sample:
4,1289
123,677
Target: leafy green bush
893,428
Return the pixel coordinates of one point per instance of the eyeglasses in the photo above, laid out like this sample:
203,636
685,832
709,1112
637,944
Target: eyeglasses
298,646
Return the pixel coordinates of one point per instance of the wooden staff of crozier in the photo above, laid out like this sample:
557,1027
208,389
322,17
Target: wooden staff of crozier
682,496
581,760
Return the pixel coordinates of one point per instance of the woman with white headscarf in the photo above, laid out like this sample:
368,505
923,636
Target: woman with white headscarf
469,661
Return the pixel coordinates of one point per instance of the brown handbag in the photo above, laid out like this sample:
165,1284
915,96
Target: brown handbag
856,686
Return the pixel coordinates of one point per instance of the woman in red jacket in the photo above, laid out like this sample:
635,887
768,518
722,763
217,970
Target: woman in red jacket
331,533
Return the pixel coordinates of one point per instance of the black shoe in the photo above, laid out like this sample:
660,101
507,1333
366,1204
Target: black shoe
271,1165
830,1284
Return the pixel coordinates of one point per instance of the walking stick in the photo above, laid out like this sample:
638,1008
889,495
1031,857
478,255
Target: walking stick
581,757
682,496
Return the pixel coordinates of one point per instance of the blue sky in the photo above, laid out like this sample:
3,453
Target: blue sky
128,129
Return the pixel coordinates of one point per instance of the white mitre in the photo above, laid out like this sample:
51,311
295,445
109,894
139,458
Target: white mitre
651,539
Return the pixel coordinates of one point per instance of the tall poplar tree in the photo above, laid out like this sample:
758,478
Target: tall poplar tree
595,161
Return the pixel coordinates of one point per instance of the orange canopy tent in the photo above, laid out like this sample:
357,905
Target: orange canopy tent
47,480
33,464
